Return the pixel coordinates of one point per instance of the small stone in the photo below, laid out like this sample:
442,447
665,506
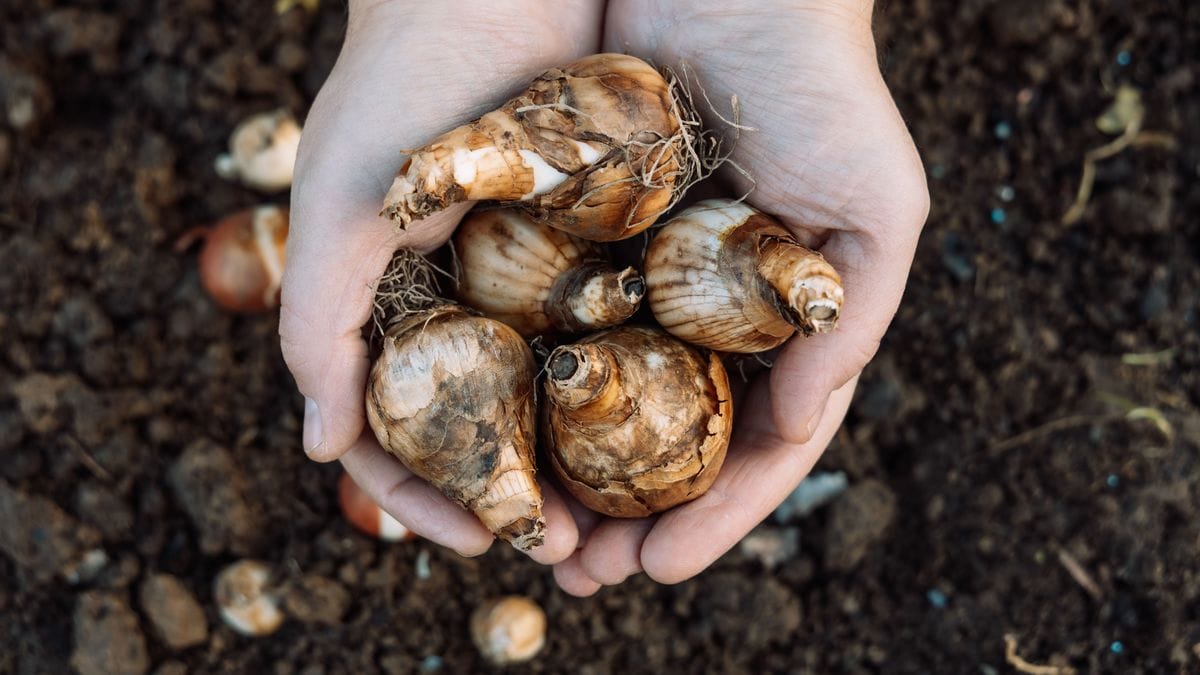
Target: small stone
857,520
108,639
95,503
24,97
815,491
177,617
42,538
317,599
212,491
1022,22
171,668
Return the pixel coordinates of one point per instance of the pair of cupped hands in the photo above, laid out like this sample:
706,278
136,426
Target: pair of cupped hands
829,156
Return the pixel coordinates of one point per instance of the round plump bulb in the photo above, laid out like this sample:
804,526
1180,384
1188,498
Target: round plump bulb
245,600
508,630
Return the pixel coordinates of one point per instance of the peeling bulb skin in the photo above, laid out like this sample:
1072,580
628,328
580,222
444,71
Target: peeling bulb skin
727,277
452,397
537,279
635,421
262,152
241,264
594,148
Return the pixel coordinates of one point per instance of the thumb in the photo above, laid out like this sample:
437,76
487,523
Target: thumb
809,369
338,246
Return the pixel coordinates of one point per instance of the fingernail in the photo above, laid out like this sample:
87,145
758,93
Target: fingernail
314,433
810,429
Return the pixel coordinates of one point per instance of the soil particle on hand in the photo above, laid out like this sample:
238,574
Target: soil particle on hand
173,610
108,639
42,538
857,520
317,599
212,491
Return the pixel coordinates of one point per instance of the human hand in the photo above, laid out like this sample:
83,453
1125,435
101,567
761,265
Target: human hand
408,71
832,159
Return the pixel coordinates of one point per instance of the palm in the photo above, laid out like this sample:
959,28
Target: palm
830,156
407,72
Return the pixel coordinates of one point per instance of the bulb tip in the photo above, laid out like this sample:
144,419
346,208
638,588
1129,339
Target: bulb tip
822,315
563,365
634,289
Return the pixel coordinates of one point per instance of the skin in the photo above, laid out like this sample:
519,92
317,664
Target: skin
831,158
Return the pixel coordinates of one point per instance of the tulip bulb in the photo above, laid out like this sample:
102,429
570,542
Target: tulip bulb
241,264
262,151
725,276
452,397
635,421
508,630
245,599
538,279
364,514
599,148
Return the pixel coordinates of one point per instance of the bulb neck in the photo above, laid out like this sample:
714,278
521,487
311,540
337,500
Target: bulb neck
584,381
593,295
808,290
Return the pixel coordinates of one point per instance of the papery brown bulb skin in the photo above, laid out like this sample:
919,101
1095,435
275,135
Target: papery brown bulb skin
635,421
537,279
241,264
452,397
508,630
593,148
727,277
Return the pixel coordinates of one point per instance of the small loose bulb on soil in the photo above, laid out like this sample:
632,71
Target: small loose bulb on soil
508,630
635,421
725,276
368,517
538,279
241,264
262,151
245,599
452,396
599,148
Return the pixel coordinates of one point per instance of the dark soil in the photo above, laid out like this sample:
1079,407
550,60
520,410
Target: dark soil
992,429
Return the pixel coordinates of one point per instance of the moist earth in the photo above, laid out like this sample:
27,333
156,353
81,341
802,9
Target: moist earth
1023,454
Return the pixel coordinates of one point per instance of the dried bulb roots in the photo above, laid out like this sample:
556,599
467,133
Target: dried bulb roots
635,421
725,276
598,148
538,279
452,397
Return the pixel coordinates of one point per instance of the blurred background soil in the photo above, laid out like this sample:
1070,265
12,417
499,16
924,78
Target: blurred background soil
1023,455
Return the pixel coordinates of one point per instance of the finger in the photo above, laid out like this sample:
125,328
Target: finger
561,533
585,518
759,472
613,552
572,579
415,503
